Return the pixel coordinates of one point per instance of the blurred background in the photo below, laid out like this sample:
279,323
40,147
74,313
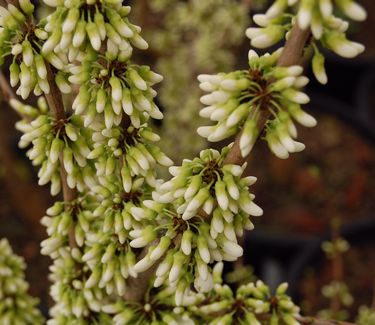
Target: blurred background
331,182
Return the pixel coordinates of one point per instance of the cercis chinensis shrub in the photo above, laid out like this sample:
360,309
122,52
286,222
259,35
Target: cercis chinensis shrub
117,220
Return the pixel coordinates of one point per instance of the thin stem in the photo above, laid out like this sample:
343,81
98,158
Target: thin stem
317,321
56,105
7,90
337,268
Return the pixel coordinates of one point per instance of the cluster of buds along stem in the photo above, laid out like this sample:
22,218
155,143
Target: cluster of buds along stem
318,15
112,89
51,139
250,304
239,99
16,306
110,242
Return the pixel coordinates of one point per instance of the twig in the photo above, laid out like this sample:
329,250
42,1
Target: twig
318,321
7,90
337,267
56,105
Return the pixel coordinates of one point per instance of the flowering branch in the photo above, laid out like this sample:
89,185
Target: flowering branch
291,55
56,105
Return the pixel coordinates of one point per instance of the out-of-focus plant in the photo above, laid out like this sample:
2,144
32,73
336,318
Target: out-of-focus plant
336,291
16,306
191,37
366,316
128,247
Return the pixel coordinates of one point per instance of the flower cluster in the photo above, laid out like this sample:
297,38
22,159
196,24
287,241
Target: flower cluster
248,306
109,251
60,218
208,183
75,301
239,99
49,138
316,15
81,25
192,240
129,150
111,87
110,261
16,306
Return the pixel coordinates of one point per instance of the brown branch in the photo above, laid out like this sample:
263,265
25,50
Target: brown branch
247,3
137,287
56,105
291,55
54,97
6,89
55,102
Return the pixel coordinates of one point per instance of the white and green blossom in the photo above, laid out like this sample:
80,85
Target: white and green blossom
130,151
23,39
80,25
239,99
75,302
52,139
112,90
316,15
